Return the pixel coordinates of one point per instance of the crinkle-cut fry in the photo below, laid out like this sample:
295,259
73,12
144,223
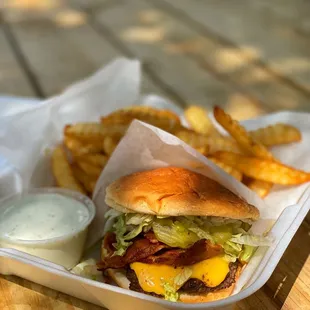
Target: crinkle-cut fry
264,169
161,113
78,147
164,124
203,149
163,119
143,113
109,144
262,188
228,169
238,132
198,120
99,160
214,144
276,134
94,131
86,180
62,171
88,168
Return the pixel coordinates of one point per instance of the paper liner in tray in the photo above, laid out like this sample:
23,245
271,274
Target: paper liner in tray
25,138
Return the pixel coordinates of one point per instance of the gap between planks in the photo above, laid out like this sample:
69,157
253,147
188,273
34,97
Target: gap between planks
21,59
104,31
180,13
269,93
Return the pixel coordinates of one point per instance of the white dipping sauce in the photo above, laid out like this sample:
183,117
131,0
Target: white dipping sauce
48,223
42,217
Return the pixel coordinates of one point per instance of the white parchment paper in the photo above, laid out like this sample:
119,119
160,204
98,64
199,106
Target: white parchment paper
26,136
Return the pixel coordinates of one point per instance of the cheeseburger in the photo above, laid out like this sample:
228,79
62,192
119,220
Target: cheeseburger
176,234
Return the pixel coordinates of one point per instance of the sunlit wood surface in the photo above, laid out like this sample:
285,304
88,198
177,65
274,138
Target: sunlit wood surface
249,56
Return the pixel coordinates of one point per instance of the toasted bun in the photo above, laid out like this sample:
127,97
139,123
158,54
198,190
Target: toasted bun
173,191
119,277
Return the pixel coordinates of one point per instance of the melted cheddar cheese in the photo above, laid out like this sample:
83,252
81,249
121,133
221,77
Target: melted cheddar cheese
151,277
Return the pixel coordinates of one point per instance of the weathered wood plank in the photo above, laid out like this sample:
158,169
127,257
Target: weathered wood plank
239,22
60,52
12,78
291,14
21,294
236,64
150,34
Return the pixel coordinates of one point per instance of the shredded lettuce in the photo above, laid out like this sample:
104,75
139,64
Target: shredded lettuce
247,253
120,230
127,227
232,249
221,234
220,221
252,240
196,226
183,231
137,230
181,278
112,214
137,219
173,233
110,217
170,292
201,233
88,269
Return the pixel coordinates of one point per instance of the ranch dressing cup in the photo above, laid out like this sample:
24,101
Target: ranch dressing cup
50,223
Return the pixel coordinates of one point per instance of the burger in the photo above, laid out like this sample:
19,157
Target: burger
176,234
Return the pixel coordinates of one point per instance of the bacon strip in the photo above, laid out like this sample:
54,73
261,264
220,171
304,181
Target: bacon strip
139,250
149,250
107,248
199,251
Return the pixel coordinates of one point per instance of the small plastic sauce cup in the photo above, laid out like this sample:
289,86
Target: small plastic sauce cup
50,223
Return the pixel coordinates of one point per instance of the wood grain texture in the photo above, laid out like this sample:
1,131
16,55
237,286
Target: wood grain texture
20,294
151,34
62,48
240,62
246,24
251,57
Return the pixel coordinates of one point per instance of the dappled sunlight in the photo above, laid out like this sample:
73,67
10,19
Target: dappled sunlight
35,5
54,10
289,66
185,47
144,34
253,75
70,18
230,59
150,16
292,65
241,108
225,59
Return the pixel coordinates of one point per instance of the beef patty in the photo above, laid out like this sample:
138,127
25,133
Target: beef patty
192,286
135,285
196,287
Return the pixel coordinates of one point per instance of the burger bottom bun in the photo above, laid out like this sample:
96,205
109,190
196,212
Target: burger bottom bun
119,277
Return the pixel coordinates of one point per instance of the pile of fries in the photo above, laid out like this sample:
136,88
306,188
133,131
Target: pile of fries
86,148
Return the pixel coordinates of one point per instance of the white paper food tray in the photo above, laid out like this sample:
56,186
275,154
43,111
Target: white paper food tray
75,103
48,274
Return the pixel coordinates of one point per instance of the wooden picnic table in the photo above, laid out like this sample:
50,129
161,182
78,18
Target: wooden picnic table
251,57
